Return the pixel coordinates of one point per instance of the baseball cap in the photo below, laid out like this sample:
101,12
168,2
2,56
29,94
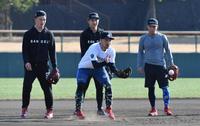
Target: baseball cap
152,21
39,13
93,15
107,35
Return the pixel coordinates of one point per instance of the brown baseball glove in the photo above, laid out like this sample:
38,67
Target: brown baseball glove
173,72
54,76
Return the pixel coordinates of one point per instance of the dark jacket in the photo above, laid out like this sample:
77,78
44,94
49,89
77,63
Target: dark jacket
38,47
87,38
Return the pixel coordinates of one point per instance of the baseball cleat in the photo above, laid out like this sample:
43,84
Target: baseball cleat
153,112
49,114
110,113
168,111
24,112
79,114
101,112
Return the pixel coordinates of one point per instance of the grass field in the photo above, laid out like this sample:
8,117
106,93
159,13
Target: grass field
122,88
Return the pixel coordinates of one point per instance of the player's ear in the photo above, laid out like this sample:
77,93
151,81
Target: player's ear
147,27
34,20
87,20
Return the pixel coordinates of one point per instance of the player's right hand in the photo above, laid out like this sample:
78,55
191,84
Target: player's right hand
28,66
107,59
140,70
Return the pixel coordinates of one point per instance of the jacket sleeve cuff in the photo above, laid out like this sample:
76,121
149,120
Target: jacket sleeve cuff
54,65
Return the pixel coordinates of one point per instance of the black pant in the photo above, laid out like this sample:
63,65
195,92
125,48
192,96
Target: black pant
38,71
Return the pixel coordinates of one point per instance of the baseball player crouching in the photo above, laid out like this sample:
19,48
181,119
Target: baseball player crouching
93,64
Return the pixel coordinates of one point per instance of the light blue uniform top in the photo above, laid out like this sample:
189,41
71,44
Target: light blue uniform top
152,50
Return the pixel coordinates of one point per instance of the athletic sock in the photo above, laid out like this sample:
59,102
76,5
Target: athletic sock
166,96
152,97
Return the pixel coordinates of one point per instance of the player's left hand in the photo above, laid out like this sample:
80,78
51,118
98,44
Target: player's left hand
107,59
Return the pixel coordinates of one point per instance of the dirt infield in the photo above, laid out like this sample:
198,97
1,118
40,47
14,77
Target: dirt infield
128,112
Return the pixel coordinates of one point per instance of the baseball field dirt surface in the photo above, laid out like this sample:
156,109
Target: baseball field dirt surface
128,112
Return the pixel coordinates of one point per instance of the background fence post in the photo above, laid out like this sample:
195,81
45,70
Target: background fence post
129,42
196,42
62,40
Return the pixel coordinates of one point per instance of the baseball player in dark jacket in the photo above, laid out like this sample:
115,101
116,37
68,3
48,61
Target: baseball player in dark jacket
88,37
38,46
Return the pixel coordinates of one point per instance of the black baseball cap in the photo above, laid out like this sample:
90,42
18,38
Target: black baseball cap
152,21
39,13
93,15
106,35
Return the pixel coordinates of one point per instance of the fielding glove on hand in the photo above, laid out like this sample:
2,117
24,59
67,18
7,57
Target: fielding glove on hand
173,72
54,76
124,73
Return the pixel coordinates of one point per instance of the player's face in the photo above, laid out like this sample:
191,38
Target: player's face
152,29
105,43
40,22
93,23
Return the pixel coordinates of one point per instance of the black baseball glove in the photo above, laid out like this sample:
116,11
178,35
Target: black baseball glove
124,73
54,76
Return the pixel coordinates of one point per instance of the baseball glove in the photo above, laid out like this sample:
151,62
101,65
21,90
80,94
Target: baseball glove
124,73
173,72
54,76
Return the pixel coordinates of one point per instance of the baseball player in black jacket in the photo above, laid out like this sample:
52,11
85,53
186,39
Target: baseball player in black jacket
88,37
38,46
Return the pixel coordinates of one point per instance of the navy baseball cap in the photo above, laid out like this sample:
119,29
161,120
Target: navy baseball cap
93,15
40,13
152,21
106,35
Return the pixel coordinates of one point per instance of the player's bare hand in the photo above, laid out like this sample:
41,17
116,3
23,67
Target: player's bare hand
140,70
107,59
28,66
